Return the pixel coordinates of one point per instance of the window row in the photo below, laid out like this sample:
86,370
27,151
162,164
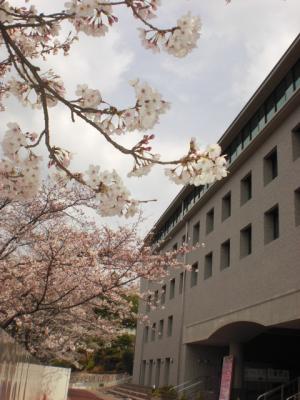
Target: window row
157,332
159,297
270,173
280,95
161,367
271,232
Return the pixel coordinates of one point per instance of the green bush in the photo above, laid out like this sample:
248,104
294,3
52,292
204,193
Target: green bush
165,392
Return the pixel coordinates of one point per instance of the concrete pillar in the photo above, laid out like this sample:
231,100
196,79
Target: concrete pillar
236,350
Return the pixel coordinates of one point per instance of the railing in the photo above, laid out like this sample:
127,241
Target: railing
180,387
190,389
295,396
282,392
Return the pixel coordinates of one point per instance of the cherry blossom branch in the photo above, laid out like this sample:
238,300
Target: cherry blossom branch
38,32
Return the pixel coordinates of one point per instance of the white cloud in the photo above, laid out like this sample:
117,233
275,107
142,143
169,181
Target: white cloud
239,45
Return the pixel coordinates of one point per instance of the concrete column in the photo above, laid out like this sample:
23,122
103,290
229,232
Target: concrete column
236,350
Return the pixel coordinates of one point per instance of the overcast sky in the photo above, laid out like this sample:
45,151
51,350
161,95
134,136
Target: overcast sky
239,45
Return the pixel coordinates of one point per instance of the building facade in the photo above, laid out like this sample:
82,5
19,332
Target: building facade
242,296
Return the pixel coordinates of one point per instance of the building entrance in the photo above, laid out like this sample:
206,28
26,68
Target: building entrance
271,359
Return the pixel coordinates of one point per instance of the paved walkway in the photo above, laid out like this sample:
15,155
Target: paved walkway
80,394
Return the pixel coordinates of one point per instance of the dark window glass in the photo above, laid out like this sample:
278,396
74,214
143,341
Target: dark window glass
146,334
246,188
161,329
280,94
236,147
148,304
246,135
181,282
246,241
172,288
254,125
225,254
270,166
289,85
228,155
297,207
170,325
153,332
210,216
297,75
262,118
226,206
194,275
196,233
163,294
296,142
156,298
208,263
270,108
271,224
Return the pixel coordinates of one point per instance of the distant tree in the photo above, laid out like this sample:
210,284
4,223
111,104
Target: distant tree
117,357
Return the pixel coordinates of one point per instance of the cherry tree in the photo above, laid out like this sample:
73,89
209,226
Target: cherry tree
28,36
63,279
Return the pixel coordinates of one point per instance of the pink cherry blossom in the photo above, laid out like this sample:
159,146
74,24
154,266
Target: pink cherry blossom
29,35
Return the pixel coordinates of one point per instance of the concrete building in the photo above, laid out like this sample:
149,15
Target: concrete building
242,296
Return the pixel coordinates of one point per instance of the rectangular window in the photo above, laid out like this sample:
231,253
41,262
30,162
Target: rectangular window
167,372
196,233
143,372
163,294
208,266
254,125
153,332
156,298
148,304
280,94
297,207
270,166
297,74
246,136
161,329
236,147
210,216
246,188
246,241
194,275
181,283
262,118
225,254
146,334
150,372
270,108
170,325
183,240
172,288
296,142
157,372
271,224
226,206
289,85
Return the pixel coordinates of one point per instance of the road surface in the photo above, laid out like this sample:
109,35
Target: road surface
80,394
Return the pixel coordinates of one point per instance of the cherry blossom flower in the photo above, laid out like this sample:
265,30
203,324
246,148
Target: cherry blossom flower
28,36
